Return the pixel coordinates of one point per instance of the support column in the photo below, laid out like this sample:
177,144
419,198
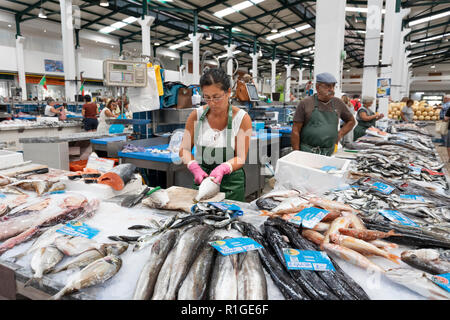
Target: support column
398,54
330,20
273,81
287,89
372,48
146,23
230,48
196,56
254,71
68,49
21,65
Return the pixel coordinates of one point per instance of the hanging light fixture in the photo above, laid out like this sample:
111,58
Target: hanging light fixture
355,20
42,14
104,3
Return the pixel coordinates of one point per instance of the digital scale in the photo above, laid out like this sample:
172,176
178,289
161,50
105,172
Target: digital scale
122,73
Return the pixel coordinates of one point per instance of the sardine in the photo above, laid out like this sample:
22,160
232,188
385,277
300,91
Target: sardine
427,260
195,284
184,254
149,274
95,273
418,281
81,261
207,189
43,261
251,278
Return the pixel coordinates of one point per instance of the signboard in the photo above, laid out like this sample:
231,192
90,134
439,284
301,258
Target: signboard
383,87
53,65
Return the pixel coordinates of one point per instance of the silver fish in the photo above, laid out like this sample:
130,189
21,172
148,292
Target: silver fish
251,278
426,260
73,246
95,273
81,261
43,261
224,281
185,252
158,199
207,189
149,274
419,282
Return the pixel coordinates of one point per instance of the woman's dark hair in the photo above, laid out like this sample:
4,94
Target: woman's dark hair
216,76
409,102
87,98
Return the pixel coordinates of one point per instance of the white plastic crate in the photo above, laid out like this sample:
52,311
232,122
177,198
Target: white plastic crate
301,170
9,158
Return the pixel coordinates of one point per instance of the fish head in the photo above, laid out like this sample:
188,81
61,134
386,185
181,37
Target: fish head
114,260
421,254
115,248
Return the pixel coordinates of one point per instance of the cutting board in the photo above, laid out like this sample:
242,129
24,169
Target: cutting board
183,198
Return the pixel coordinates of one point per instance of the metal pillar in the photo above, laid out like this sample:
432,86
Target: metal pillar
397,58
146,23
195,39
67,31
273,81
230,48
21,65
287,89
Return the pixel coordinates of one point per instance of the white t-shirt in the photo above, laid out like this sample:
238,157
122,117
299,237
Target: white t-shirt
408,113
48,112
209,137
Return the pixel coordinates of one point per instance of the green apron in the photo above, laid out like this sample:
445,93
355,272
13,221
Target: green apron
321,133
233,184
362,126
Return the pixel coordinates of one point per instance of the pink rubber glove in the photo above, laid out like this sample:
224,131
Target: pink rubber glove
220,171
197,171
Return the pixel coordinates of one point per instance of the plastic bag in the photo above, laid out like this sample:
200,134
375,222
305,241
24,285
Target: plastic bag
175,141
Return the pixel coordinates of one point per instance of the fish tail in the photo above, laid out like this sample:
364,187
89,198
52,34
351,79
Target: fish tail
33,280
392,233
59,295
265,213
393,258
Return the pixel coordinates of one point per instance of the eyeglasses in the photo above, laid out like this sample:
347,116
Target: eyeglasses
213,99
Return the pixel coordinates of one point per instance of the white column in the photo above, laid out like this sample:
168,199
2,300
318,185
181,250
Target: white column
287,89
398,55
300,76
68,49
78,68
196,56
21,65
372,48
145,30
230,49
330,20
254,71
273,81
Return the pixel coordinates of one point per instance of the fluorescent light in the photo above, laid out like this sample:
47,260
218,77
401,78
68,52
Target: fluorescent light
310,49
236,29
436,16
436,37
118,25
433,66
156,44
9,26
42,14
236,8
179,45
420,92
418,57
129,20
172,58
361,10
104,3
107,29
226,55
274,31
288,32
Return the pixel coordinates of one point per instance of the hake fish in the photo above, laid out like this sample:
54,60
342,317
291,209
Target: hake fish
207,189
419,282
224,281
251,279
184,254
95,273
43,261
428,260
149,274
195,284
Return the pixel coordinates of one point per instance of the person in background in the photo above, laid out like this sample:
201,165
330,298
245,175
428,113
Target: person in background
106,113
90,113
355,102
444,107
50,110
221,135
407,113
348,138
316,119
241,93
63,112
309,89
366,117
447,137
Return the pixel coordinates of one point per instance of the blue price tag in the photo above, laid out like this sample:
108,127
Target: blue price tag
2,195
412,197
78,229
235,245
307,260
309,217
328,168
398,217
383,188
225,206
415,169
442,280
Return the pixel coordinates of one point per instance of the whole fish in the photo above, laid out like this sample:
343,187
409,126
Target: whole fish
158,199
207,189
419,282
330,205
4,209
340,222
43,261
114,249
185,252
251,278
356,222
73,246
367,235
224,281
427,260
383,244
39,186
81,261
149,274
95,273
313,236
321,227
351,256
362,246
24,236
288,206
195,284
